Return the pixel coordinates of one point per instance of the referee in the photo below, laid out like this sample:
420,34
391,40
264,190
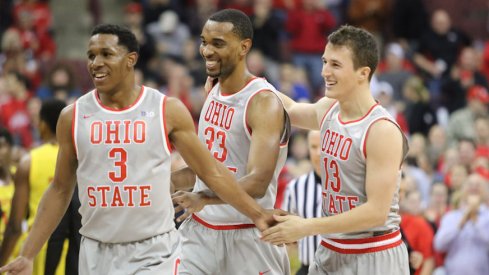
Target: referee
303,198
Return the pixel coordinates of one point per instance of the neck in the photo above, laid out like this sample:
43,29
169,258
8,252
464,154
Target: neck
235,81
357,105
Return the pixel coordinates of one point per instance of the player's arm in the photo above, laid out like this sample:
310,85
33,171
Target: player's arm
183,179
182,134
20,202
55,200
306,115
265,118
384,151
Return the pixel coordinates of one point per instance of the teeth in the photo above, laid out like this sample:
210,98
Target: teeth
100,75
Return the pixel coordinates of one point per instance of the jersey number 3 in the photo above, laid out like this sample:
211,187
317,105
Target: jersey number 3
220,137
119,155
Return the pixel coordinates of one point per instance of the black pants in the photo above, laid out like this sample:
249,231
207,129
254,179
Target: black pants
68,228
303,270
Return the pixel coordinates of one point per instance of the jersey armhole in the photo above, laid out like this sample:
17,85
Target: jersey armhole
326,113
166,140
74,125
364,139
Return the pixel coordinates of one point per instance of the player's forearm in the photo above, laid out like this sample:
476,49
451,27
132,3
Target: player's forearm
183,179
254,185
51,209
236,197
10,238
361,218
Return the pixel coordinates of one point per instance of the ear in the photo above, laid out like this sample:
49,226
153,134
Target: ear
363,73
245,46
132,59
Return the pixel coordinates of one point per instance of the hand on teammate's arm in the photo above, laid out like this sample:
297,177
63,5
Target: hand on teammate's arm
189,201
289,229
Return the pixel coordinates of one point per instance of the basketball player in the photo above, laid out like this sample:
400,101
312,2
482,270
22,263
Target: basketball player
33,177
362,149
115,143
244,125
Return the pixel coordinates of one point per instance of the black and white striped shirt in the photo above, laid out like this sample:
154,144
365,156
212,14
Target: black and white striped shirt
303,198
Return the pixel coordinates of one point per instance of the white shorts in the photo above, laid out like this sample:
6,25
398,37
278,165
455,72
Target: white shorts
389,259
156,255
207,251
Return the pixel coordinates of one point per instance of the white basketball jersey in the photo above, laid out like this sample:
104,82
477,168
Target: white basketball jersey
224,130
343,168
123,169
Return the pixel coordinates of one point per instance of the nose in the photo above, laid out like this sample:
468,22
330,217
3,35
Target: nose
325,72
206,50
96,62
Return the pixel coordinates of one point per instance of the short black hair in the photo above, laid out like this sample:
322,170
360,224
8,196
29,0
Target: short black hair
362,44
4,133
125,36
243,27
50,110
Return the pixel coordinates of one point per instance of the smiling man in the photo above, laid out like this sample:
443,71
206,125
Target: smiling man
244,125
114,142
362,149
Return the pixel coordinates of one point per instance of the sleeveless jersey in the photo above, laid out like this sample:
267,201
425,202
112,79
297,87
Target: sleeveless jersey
41,174
224,129
123,169
343,168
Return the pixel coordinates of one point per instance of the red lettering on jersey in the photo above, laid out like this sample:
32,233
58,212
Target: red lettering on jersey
341,199
351,200
119,196
144,195
333,141
112,135
345,149
113,130
127,123
219,115
336,203
93,200
96,132
139,131
116,198
130,190
103,192
332,207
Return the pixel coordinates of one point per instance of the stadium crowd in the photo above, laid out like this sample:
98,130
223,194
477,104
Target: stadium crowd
433,79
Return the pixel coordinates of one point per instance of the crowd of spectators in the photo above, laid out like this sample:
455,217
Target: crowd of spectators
433,78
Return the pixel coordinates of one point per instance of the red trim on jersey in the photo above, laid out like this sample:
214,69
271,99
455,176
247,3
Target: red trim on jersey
252,78
164,124
365,245
119,110
247,127
73,121
364,146
360,119
222,227
325,114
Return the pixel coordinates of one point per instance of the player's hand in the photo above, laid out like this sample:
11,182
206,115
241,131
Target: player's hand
188,201
289,229
267,220
20,266
209,83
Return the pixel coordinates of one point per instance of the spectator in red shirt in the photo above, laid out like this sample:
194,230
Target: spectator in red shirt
416,230
308,28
